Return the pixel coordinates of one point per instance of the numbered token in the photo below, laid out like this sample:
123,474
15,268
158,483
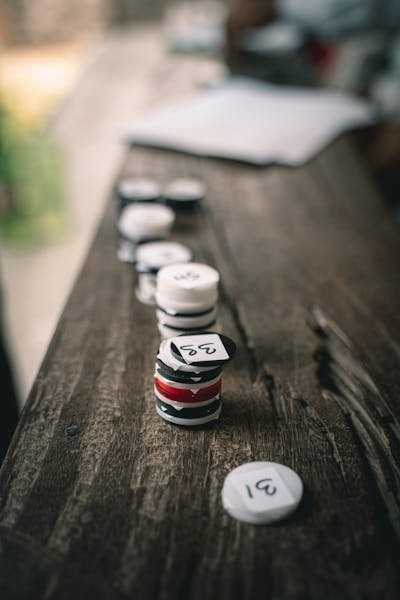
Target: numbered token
194,275
261,492
189,287
202,349
154,255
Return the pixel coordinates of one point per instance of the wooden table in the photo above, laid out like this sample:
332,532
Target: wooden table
102,499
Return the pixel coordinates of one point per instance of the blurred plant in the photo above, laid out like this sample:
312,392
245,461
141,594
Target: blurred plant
31,183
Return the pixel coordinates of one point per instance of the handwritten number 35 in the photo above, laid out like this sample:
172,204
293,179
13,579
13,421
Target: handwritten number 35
263,484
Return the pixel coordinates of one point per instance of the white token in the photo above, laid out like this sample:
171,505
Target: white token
145,221
261,492
139,189
191,286
155,255
185,189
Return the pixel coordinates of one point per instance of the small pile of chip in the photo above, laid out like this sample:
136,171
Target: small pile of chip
150,258
188,377
187,299
142,214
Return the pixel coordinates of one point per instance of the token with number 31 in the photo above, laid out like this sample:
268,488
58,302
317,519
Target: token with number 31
261,492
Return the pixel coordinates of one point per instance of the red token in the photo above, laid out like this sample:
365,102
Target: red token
182,395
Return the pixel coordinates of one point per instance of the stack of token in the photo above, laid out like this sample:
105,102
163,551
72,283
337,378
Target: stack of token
150,258
187,384
184,193
186,298
137,189
142,223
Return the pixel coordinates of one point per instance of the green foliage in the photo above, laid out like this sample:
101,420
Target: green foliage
32,206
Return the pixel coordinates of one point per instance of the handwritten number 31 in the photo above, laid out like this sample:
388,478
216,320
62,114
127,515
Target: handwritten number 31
263,484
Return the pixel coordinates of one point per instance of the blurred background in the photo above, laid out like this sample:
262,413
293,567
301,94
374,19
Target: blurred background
58,157
73,74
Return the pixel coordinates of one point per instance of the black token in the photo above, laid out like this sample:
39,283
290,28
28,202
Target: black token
184,193
186,377
190,315
175,330
198,412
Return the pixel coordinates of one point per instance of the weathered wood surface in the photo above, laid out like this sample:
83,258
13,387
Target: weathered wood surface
101,498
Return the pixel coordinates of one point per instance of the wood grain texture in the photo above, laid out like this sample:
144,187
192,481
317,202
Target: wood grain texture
101,498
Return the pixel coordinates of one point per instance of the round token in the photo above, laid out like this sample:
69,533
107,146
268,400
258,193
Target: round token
174,313
145,221
189,287
152,256
187,395
137,189
187,384
168,414
184,192
180,405
168,359
261,492
167,332
178,377
201,349
187,321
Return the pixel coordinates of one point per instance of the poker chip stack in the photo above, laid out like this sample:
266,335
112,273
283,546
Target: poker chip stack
142,223
188,377
150,258
186,299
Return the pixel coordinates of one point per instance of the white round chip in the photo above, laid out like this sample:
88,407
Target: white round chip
188,286
138,189
185,189
145,221
155,255
261,492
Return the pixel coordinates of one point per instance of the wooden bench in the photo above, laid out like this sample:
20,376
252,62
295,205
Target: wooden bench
101,498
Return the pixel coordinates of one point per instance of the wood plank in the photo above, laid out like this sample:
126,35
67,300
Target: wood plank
100,496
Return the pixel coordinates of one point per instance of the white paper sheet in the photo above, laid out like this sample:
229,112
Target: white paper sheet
250,121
